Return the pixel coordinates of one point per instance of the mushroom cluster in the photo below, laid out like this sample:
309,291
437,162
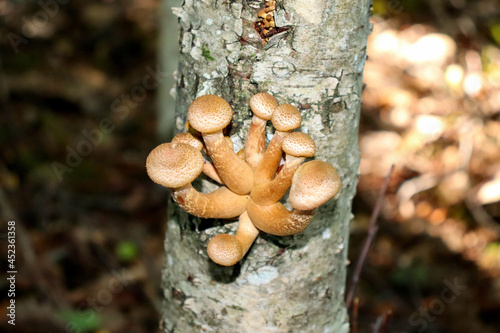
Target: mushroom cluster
252,181
265,25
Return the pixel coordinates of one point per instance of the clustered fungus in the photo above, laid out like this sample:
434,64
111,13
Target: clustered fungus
265,25
252,181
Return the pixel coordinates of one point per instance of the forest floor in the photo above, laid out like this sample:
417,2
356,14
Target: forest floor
89,230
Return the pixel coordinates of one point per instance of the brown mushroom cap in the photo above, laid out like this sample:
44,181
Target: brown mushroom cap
298,144
286,117
209,114
174,165
262,13
314,183
263,105
225,250
189,139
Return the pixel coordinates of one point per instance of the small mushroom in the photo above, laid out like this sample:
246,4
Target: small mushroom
285,118
314,183
227,250
176,165
262,13
209,114
193,141
270,6
263,106
297,146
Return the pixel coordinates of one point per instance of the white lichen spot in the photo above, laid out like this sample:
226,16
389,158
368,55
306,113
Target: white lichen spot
206,88
218,32
326,234
330,83
170,260
173,92
179,124
340,247
206,76
263,275
237,143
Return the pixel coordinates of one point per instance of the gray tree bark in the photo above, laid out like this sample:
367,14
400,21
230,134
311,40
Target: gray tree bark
284,284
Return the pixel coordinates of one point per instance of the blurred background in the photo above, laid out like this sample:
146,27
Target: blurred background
80,94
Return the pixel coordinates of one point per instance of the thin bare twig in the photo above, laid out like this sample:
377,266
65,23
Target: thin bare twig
380,324
372,230
354,323
387,316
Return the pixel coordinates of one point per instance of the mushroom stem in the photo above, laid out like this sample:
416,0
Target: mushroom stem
285,118
271,191
228,250
256,141
210,171
221,203
246,233
297,146
263,106
277,220
270,161
236,174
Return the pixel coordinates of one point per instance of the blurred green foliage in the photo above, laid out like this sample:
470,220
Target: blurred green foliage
495,31
395,7
127,251
82,321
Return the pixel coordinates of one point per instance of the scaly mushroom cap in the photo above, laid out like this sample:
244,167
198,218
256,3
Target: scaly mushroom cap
286,117
263,105
188,139
174,165
314,183
209,114
298,144
225,250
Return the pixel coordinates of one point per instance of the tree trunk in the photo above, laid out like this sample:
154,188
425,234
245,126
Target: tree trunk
284,284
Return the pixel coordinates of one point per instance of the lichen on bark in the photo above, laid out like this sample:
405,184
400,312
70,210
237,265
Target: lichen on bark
284,284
